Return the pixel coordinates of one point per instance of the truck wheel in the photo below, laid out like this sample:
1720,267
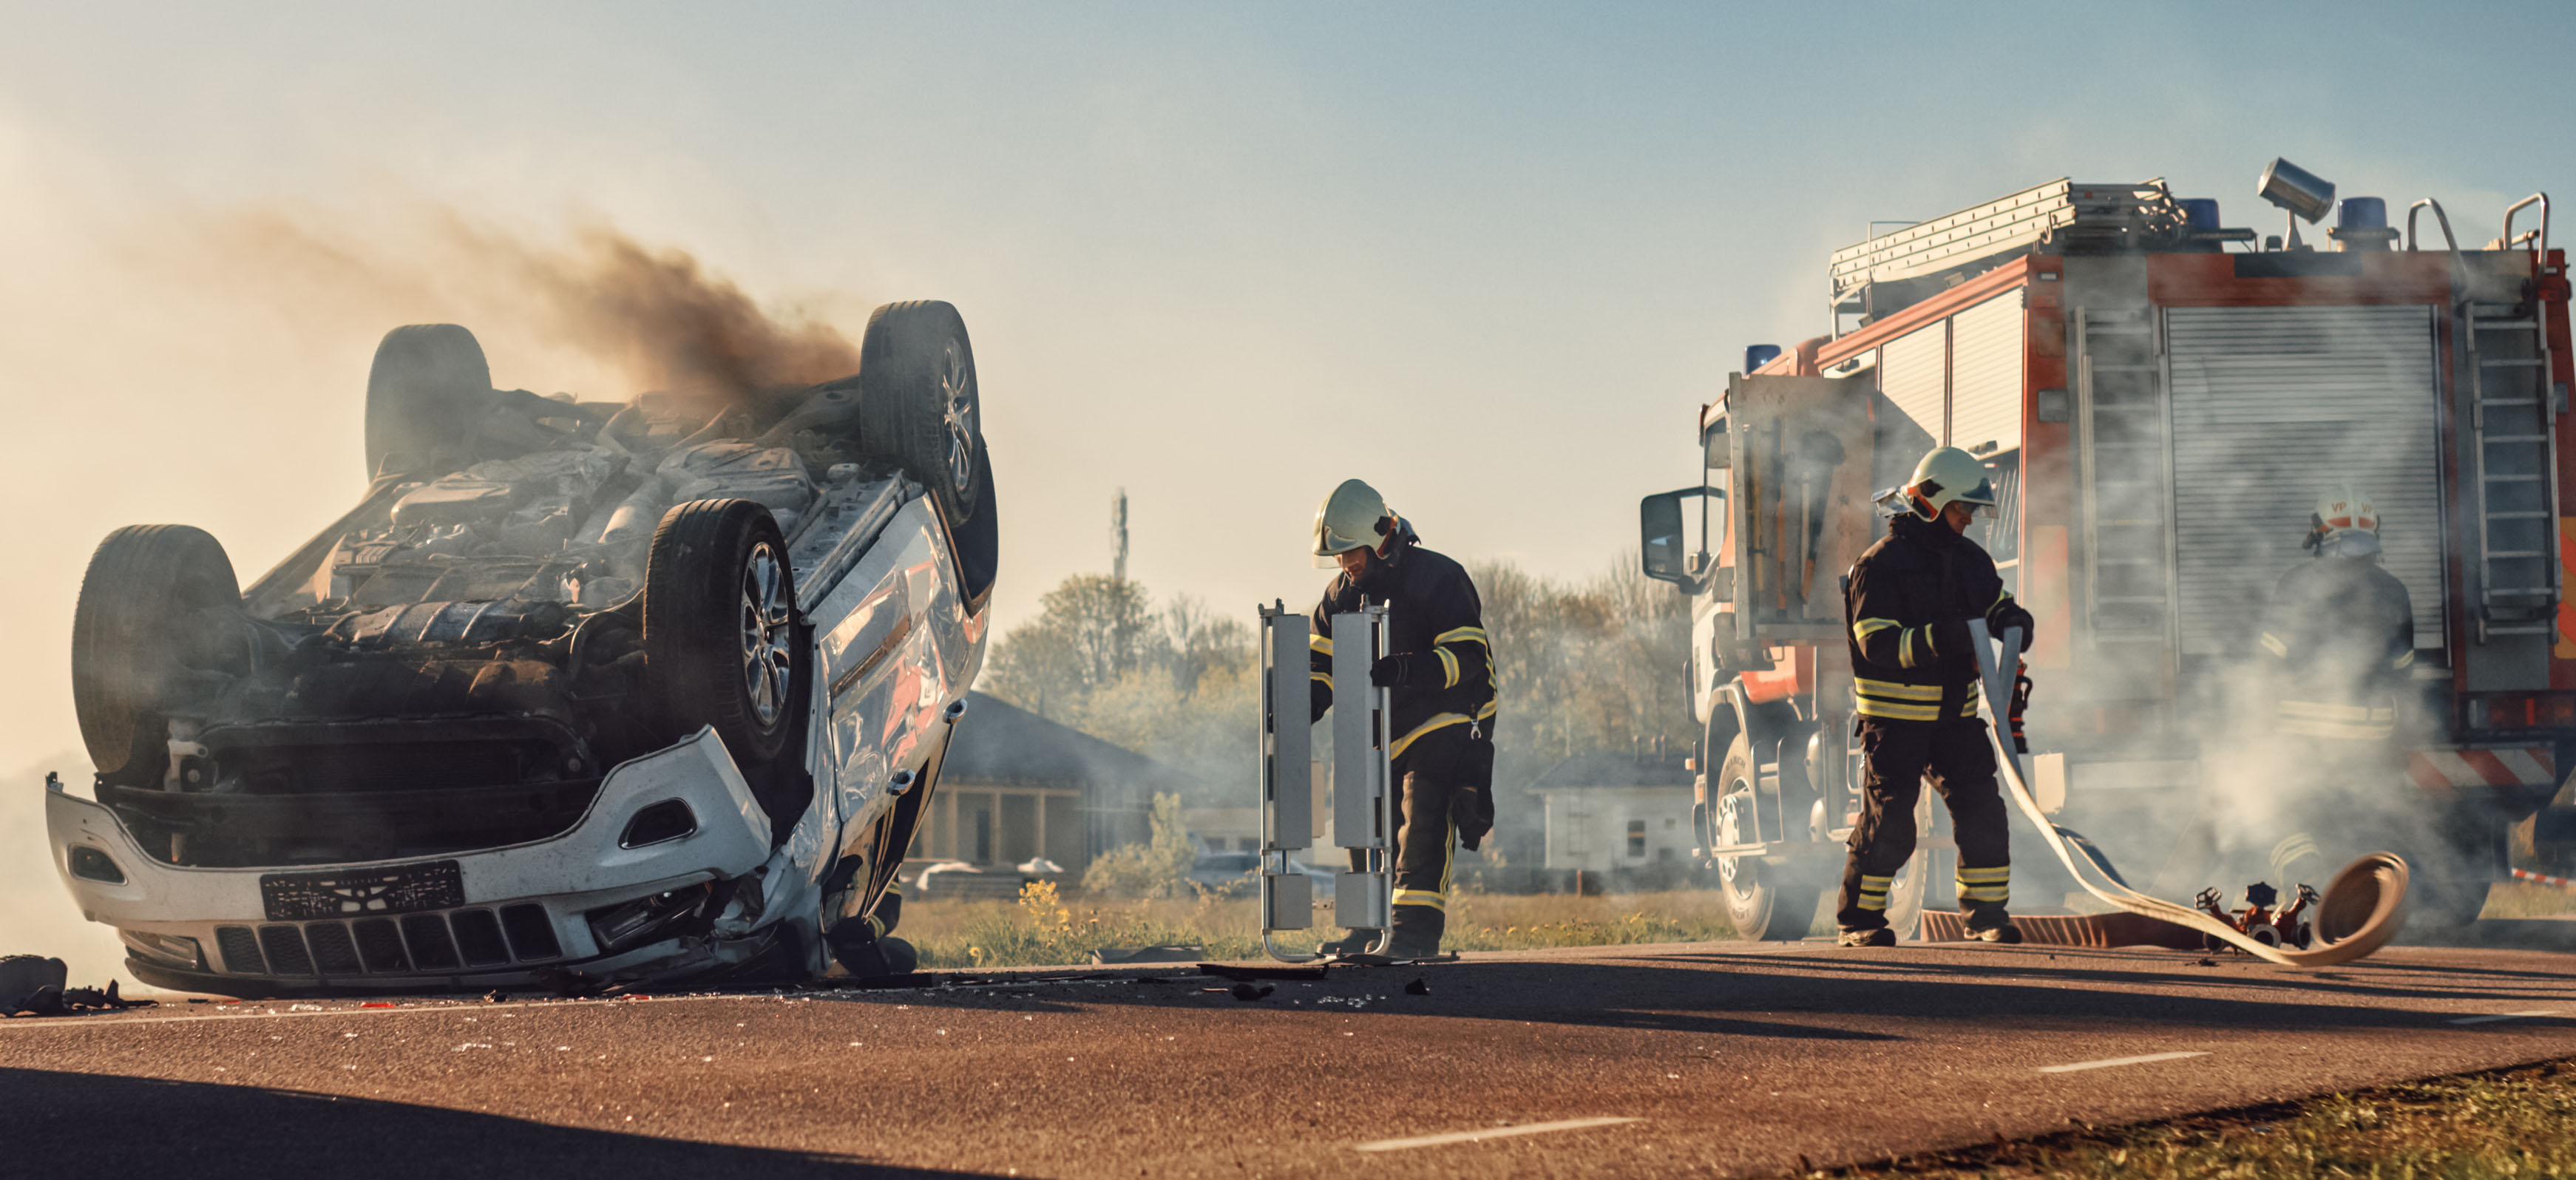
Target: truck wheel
158,601
720,641
422,392
1767,902
918,402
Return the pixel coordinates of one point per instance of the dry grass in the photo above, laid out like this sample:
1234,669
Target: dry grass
1043,929
2512,1123
2522,899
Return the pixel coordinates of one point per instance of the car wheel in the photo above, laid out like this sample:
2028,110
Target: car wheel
918,401
1767,902
720,636
158,602
427,383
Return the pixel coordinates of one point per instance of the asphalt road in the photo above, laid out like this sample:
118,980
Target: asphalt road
1719,1058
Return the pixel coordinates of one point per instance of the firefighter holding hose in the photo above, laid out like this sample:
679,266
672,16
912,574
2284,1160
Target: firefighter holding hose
1915,685
1439,671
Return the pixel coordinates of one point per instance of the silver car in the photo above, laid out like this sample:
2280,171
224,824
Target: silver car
579,693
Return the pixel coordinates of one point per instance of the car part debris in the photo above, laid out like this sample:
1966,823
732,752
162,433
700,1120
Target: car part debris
2363,907
1248,992
1232,971
34,984
1147,954
1417,988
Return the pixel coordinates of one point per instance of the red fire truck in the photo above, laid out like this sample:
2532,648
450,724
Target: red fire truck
2162,400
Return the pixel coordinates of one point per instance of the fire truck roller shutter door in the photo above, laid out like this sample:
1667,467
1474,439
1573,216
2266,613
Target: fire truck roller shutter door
2272,404
1985,376
1913,375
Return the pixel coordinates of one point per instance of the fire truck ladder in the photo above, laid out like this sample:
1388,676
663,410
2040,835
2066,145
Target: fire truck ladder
2513,409
1363,801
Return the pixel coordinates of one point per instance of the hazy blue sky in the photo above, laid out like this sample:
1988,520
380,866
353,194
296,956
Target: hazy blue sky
1491,257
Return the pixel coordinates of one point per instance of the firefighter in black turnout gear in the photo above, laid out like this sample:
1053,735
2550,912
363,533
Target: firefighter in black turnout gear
1440,671
2338,641
1914,684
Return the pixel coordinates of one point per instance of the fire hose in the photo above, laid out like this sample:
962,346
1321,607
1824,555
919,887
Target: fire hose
2363,905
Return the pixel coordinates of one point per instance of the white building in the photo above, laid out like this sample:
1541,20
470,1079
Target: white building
1614,811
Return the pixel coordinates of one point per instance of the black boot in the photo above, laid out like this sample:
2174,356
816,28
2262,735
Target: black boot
1868,936
1989,923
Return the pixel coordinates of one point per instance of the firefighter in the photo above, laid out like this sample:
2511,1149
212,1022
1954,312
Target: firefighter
2338,638
1440,669
1914,686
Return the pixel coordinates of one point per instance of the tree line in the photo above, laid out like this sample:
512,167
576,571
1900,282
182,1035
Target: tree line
1584,667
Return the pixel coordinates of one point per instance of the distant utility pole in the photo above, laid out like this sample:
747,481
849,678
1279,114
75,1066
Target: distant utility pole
1118,535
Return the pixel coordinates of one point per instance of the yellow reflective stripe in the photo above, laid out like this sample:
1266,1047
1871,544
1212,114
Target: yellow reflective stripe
1969,709
1889,688
876,926
1985,875
1905,649
894,889
2323,711
1322,644
1896,712
1438,721
2272,643
1423,897
1486,713
2403,660
1985,893
1463,635
1325,677
1867,881
1865,628
1448,667
2001,596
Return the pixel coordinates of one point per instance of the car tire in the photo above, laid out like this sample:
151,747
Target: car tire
157,602
1767,902
427,383
919,405
721,646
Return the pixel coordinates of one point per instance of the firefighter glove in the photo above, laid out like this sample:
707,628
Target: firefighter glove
1395,671
2011,615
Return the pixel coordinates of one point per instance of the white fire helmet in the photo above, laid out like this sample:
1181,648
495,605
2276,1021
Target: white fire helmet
1949,475
1353,517
2345,523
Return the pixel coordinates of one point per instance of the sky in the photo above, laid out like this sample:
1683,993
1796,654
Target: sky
1490,257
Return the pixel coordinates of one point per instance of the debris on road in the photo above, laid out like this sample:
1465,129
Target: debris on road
1417,988
1248,992
36,984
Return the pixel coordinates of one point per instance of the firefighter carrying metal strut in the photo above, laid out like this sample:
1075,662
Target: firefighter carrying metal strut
1914,684
1440,673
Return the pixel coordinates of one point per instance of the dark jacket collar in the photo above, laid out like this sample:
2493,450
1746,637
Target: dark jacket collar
1910,527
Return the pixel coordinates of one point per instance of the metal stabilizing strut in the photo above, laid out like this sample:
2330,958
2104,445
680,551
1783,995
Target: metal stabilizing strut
1363,803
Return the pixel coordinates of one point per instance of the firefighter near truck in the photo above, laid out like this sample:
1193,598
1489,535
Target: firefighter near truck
2160,402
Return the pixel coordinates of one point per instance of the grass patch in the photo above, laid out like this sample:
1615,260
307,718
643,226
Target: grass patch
2526,899
2519,1122
1044,929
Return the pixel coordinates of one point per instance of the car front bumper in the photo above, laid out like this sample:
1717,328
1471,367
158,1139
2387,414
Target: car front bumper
499,917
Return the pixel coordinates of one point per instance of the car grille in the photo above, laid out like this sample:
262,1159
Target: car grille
522,933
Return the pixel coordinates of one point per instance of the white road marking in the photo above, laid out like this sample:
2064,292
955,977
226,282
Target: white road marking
2493,1017
1483,1133
2108,1062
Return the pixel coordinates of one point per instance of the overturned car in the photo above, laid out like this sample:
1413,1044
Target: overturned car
579,691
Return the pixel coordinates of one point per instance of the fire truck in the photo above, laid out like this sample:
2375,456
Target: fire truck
2161,400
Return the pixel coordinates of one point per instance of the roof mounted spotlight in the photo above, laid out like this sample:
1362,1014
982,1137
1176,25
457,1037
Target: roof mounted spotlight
2303,193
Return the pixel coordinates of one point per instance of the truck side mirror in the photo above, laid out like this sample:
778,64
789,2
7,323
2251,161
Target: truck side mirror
1664,542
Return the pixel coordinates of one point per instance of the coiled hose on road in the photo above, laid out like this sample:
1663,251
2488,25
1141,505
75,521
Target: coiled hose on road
2363,907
